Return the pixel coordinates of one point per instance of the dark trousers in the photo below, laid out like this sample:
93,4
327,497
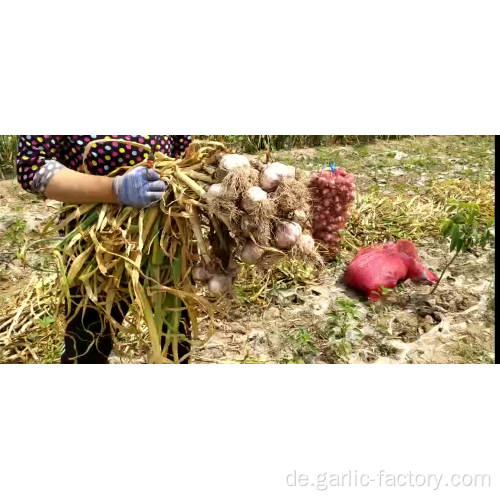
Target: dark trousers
88,338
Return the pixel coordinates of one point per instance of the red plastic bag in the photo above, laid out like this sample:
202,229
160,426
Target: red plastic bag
385,265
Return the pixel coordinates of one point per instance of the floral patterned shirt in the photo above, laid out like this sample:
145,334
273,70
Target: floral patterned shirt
35,151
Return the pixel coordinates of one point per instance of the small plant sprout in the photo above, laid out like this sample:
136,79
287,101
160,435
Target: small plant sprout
465,231
46,321
345,312
384,291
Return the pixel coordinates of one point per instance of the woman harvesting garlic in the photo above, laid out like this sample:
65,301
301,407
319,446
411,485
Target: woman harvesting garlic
219,208
48,165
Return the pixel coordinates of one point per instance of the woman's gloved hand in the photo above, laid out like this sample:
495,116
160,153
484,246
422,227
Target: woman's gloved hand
139,187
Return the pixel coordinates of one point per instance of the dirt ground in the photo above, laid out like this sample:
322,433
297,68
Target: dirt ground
313,317
453,326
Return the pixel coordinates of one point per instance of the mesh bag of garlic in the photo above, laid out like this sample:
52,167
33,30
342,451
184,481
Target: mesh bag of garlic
220,208
332,193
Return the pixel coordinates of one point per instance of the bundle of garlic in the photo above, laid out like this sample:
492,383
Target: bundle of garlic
265,207
219,208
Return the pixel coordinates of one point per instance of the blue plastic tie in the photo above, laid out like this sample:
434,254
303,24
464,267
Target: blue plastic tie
332,166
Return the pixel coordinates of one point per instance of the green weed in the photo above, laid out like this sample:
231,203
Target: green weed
465,232
303,346
342,333
15,233
8,154
46,321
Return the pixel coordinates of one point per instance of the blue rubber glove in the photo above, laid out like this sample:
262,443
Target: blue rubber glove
140,187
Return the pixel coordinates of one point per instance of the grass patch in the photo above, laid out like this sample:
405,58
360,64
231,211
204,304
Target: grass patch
444,192
473,350
260,287
341,334
254,143
37,333
376,218
334,342
8,155
15,234
303,346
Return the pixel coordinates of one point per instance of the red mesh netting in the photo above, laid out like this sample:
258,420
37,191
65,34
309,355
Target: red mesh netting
332,194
